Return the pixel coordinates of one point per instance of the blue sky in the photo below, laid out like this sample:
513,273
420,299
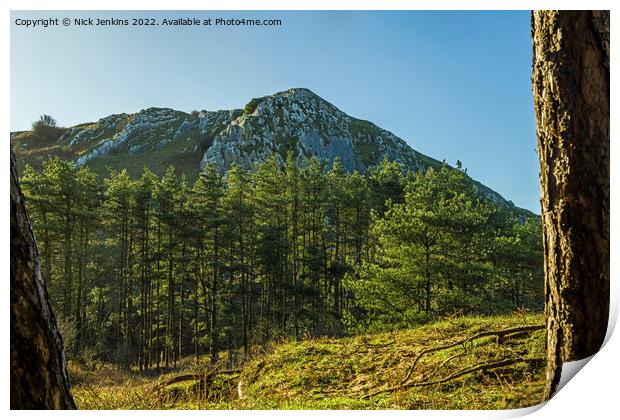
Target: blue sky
454,85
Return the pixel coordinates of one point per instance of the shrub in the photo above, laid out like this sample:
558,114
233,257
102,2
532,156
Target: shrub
250,107
44,121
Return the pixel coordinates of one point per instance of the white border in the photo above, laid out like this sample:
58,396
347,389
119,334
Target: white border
593,393
305,5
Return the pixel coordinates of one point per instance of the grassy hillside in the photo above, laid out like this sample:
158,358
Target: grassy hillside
158,149
379,371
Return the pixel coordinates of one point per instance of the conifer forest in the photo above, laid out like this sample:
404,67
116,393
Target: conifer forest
145,271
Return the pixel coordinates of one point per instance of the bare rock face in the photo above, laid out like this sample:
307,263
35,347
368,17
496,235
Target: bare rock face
298,120
144,126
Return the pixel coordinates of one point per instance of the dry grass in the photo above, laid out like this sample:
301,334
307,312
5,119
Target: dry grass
338,373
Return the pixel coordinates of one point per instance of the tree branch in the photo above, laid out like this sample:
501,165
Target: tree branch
206,376
499,333
463,372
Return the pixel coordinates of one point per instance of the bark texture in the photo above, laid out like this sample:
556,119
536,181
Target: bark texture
570,78
38,369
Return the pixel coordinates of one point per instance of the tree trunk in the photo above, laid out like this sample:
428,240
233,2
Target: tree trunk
571,96
38,369
213,350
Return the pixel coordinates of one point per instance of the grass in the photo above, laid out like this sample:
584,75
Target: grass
428,161
338,373
185,152
359,127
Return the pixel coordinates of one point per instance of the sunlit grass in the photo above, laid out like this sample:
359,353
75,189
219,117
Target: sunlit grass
338,373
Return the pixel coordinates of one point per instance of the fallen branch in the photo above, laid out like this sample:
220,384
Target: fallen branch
476,368
499,333
389,343
444,363
195,377
463,372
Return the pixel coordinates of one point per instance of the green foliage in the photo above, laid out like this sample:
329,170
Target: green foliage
250,107
439,252
357,127
387,185
45,121
151,269
518,255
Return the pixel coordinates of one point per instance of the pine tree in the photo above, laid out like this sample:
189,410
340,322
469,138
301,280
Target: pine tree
159,271
238,213
313,273
87,218
207,195
293,200
118,210
143,216
270,206
387,182
167,205
571,87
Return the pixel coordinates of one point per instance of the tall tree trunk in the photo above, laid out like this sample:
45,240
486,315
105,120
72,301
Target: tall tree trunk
196,291
157,297
142,364
68,259
571,96
38,368
295,235
170,330
148,307
427,279
247,320
183,276
129,317
79,304
47,250
213,350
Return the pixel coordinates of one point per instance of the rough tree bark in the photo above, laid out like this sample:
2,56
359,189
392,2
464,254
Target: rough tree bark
570,80
38,369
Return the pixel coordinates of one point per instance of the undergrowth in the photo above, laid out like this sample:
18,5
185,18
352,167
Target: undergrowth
346,373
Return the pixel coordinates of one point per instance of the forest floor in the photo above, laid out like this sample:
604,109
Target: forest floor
458,363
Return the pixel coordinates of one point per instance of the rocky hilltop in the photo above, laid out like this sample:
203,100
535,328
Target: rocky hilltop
295,120
301,121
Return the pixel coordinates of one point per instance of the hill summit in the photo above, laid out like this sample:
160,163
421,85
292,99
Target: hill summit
296,120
